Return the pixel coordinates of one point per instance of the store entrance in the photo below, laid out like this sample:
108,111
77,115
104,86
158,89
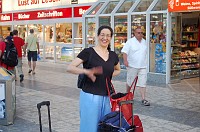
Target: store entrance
186,48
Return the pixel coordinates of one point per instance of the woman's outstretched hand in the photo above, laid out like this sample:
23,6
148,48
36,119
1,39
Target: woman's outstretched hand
94,71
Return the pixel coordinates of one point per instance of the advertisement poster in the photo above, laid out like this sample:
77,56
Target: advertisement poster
2,101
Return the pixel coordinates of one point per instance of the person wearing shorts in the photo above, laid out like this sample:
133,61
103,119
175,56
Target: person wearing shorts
135,59
32,46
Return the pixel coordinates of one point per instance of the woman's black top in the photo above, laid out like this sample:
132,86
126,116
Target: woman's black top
99,86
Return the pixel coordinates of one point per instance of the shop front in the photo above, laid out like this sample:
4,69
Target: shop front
59,28
161,30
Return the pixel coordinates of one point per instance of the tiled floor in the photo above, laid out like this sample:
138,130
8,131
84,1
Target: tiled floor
175,108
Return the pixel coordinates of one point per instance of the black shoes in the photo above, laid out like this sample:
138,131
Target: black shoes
145,103
21,77
30,70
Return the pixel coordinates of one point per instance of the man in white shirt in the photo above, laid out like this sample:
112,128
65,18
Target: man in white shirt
135,59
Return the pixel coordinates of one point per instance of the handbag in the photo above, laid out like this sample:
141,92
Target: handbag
82,77
116,98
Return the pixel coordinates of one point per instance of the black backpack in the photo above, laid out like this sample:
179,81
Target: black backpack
10,56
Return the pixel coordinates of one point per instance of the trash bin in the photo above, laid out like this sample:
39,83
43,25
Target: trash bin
7,97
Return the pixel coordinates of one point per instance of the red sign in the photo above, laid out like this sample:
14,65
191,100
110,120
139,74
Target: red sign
43,14
5,17
79,11
0,6
183,5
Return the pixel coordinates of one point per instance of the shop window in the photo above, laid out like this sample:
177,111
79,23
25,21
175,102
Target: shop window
78,33
49,52
22,33
143,5
138,20
90,30
49,33
37,31
5,31
161,5
124,8
109,8
120,36
64,32
104,20
158,36
96,9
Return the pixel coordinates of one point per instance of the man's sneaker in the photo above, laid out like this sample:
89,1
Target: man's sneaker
145,103
30,70
21,77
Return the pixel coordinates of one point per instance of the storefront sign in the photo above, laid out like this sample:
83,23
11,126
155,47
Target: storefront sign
43,14
79,11
74,1
0,6
5,17
183,5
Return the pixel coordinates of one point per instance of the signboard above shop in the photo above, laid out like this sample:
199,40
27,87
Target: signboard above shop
183,5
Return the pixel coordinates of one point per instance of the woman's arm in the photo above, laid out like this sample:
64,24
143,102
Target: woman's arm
117,70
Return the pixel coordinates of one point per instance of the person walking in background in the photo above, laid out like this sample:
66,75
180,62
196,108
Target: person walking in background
104,63
135,59
32,46
19,44
2,49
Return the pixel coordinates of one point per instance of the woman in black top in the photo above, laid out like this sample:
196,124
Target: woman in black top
103,63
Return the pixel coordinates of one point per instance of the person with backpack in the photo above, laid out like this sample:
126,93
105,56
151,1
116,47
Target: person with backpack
8,54
19,44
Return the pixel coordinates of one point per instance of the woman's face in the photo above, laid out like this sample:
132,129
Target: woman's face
104,37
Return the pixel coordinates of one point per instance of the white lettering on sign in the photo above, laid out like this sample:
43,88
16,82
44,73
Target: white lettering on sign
5,18
82,11
23,16
49,14
185,4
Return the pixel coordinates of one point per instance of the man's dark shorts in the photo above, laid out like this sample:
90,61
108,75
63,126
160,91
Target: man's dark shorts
32,55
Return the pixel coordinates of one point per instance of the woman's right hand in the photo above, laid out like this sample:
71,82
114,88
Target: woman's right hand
93,71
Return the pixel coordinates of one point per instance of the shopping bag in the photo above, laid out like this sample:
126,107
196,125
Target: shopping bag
115,98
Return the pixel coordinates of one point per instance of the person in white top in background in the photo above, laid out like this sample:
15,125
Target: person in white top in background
135,59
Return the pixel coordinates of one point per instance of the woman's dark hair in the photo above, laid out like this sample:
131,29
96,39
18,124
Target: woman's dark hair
105,27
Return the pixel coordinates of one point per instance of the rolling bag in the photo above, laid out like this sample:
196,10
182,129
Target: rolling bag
39,105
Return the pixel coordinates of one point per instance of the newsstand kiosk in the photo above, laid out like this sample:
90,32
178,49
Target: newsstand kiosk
7,97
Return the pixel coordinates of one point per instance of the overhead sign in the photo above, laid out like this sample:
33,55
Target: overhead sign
74,1
79,11
183,5
5,17
43,14
0,6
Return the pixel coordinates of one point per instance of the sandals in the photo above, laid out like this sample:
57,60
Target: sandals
30,70
145,102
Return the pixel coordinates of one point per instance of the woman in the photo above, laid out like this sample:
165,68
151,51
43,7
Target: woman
94,100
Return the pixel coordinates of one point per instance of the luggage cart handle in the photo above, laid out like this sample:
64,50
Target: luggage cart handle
126,102
47,103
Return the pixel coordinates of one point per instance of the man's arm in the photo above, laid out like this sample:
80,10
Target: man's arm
125,59
38,47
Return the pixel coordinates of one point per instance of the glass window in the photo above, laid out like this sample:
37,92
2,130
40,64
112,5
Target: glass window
96,9
143,5
158,36
109,8
90,30
104,20
49,52
5,31
124,8
138,20
22,33
78,33
37,31
161,5
49,33
64,32
120,36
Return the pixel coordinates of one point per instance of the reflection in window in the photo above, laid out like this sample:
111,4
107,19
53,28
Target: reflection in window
96,9
21,31
109,8
49,33
143,5
64,32
138,20
49,52
158,43
125,6
78,33
104,20
5,31
90,30
161,5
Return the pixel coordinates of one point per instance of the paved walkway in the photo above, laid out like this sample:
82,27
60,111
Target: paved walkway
175,108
